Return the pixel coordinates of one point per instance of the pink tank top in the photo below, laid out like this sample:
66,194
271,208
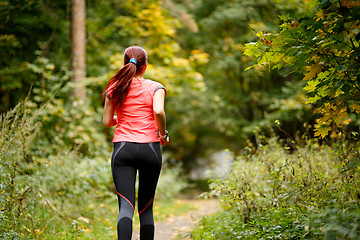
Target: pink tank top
135,116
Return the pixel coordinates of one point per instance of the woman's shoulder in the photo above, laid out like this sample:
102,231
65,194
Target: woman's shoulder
153,86
150,83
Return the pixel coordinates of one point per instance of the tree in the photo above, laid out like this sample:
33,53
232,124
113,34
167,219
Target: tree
234,102
78,48
27,29
324,45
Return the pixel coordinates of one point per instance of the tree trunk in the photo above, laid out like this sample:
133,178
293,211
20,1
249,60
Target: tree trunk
78,49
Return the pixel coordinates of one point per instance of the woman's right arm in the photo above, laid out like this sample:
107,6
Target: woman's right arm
108,116
159,113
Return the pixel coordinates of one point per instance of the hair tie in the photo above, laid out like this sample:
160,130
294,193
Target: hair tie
133,60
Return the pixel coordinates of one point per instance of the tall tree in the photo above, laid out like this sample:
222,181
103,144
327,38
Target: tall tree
78,48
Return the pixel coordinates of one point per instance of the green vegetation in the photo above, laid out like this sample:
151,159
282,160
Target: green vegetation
310,193
281,189
324,45
65,195
231,69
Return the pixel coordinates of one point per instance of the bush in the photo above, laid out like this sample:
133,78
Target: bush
17,189
41,196
276,194
171,183
67,123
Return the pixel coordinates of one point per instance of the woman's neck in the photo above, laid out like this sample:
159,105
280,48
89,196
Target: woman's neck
139,76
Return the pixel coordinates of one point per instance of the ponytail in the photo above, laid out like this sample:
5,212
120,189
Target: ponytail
122,78
135,58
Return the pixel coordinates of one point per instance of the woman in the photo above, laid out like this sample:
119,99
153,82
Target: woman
140,126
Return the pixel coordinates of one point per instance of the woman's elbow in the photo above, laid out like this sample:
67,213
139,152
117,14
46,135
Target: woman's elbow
159,112
106,122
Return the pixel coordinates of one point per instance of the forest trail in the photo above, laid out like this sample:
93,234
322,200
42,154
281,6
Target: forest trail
179,227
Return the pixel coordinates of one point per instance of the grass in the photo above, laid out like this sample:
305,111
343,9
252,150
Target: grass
97,220
100,223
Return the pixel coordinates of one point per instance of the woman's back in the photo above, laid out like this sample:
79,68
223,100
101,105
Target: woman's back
135,117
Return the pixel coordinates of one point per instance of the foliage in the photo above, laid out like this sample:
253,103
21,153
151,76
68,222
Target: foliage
64,195
233,102
54,180
66,123
166,189
40,61
17,197
78,125
324,45
277,194
34,191
27,28
147,24
201,69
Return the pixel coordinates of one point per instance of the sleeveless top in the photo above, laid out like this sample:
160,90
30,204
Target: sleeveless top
135,116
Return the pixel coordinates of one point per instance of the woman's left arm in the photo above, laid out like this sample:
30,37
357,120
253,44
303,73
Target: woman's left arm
109,119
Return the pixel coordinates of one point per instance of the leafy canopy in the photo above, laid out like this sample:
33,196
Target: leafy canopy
324,46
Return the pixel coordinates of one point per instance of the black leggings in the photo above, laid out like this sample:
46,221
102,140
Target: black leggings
127,158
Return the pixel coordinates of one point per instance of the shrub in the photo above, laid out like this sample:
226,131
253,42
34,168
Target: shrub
40,197
277,194
17,189
171,182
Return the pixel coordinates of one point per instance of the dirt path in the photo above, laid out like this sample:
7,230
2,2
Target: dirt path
178,227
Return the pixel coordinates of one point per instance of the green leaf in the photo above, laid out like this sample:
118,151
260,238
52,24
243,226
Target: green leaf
311,86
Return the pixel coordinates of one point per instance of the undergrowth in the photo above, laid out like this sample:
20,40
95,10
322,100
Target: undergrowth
62,196
310,193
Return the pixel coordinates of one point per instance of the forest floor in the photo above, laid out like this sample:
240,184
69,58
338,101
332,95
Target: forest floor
179,226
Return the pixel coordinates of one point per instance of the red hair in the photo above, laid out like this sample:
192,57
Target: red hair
123,77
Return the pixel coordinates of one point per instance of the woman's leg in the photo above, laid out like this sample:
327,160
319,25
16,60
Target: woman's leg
149,171
124,176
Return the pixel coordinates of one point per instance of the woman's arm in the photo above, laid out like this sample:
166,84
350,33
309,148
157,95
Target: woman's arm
108,117
159,113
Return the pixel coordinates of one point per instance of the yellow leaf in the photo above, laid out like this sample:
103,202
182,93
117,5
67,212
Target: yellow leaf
313,70
322,131
355,107
312,99
250,67
349,3
320,15
339,115
346,121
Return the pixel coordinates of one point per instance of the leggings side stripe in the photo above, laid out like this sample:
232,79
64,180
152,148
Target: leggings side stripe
147,206
126,200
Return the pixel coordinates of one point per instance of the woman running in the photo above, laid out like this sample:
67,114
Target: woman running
140,127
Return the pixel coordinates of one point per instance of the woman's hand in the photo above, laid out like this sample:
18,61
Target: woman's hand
165,139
